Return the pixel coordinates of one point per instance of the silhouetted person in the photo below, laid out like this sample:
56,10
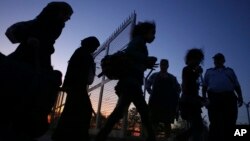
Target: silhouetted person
38,37
129,87
75,119
190,102
164,91
29,85
223,91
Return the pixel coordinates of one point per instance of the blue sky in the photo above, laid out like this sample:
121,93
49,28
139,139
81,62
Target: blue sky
214,25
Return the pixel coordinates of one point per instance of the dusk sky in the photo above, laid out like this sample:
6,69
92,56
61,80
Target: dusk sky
213,25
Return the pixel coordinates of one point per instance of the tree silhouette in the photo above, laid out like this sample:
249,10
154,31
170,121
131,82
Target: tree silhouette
134,120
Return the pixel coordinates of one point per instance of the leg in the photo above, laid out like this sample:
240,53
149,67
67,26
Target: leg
75,120
196,127
122,105
142,108
215,115
230,116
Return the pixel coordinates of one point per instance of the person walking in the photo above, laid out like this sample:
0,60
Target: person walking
74,121
29,84
129,87
223,91
164,90
191,102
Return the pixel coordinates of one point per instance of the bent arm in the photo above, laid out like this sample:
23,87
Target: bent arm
149,83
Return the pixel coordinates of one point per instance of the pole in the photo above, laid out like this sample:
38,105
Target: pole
98,116
247,107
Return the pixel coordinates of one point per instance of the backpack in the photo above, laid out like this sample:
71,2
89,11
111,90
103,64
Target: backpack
115,66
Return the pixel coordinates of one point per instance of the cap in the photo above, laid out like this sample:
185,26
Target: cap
219,56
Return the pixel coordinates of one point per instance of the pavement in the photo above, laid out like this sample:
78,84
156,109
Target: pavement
46,137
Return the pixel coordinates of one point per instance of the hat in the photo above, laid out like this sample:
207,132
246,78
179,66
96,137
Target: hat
219,56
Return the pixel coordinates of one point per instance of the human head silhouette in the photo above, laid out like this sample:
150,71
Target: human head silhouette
91,43
57,11
145,30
